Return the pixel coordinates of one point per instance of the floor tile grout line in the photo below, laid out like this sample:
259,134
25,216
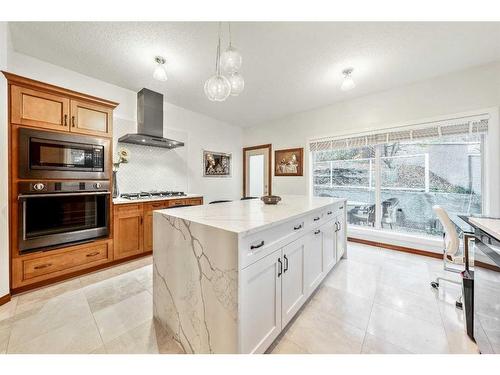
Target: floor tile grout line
371,310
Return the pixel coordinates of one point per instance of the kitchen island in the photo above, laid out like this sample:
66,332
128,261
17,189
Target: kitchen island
229,277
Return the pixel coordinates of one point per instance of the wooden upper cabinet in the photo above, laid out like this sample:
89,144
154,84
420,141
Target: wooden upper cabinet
36,108
87,118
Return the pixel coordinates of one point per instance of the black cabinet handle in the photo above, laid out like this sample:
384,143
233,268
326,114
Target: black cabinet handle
340,225
257,246
286,263
329,212
280,269
317,231
297,227
316,218
336,226
341,207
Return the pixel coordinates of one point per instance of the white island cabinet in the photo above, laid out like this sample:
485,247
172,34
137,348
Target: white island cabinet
229,277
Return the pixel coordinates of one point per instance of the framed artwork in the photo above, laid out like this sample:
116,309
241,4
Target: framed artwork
216,164
289,162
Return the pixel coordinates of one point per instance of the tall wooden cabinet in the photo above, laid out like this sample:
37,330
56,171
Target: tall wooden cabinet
38,105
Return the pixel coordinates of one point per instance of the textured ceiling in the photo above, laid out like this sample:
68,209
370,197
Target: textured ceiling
288,67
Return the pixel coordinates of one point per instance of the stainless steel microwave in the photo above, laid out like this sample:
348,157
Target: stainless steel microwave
50,155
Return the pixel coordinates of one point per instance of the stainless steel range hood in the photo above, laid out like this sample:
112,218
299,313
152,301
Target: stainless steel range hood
150,122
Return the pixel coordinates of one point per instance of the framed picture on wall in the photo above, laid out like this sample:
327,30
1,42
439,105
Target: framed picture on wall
216,164
289,162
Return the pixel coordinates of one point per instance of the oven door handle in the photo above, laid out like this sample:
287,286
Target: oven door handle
24,196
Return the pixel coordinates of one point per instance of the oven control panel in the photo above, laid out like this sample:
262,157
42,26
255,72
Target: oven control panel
62,187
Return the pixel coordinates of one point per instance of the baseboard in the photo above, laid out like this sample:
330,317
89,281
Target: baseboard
5,299
430,254
416,251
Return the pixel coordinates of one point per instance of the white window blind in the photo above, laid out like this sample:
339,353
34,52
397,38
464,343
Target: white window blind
464,125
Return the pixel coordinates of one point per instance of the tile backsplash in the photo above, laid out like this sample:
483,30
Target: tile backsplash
152,168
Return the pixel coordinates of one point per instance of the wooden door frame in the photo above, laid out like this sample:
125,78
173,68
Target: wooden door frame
269,146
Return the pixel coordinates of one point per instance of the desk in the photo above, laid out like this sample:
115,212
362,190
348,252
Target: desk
482,305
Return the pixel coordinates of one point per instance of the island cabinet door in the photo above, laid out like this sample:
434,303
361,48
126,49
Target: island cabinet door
341,242
293,283
260,303
313,259
329,244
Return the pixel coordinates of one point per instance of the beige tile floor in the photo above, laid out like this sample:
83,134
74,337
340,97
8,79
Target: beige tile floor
376,301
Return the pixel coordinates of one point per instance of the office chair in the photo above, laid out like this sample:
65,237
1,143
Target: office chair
218,202
450,251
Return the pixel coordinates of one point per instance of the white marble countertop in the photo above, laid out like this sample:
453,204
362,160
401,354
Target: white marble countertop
125,201
248,215
490,226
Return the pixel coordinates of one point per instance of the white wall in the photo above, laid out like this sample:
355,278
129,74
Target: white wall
460,92
4,209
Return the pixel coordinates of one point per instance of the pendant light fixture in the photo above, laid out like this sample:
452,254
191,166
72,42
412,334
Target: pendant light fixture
217,88
348,83
160,72
231,59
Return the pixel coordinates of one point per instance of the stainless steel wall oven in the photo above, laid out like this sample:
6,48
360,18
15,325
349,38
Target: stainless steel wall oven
50,155
53,214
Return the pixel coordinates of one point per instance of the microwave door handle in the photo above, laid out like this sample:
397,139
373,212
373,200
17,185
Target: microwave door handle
24,196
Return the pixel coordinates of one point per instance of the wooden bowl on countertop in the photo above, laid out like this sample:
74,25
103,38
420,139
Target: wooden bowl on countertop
270,199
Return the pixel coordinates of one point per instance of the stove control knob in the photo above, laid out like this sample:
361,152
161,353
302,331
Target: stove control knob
97,185
39,186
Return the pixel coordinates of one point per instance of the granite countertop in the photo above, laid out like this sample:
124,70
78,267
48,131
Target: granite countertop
245,216
156,199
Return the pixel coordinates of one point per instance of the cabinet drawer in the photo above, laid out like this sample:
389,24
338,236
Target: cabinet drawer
69,261
257,245
155,206
194,201
176,202
128,209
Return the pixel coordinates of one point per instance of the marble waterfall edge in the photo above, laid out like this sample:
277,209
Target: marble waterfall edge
196,290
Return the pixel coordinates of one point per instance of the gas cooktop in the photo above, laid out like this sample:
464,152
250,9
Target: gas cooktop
152,195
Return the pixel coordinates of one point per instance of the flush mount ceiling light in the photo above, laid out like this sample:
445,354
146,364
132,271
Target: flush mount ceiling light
220,86
348,83
160,72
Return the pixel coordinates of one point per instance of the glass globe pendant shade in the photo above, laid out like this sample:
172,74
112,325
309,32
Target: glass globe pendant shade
217,88
231,60
237,83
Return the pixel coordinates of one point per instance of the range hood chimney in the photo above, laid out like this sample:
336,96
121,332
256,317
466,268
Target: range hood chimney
150,122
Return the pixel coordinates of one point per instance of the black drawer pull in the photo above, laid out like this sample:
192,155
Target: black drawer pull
329,212
316,218
297,227
286,263
257,246
280,270
317,231
341,207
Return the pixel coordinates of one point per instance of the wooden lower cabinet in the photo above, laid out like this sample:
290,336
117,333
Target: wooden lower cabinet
133,225
44,266
128,230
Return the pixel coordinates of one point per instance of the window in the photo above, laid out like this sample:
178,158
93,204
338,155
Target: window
393,185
